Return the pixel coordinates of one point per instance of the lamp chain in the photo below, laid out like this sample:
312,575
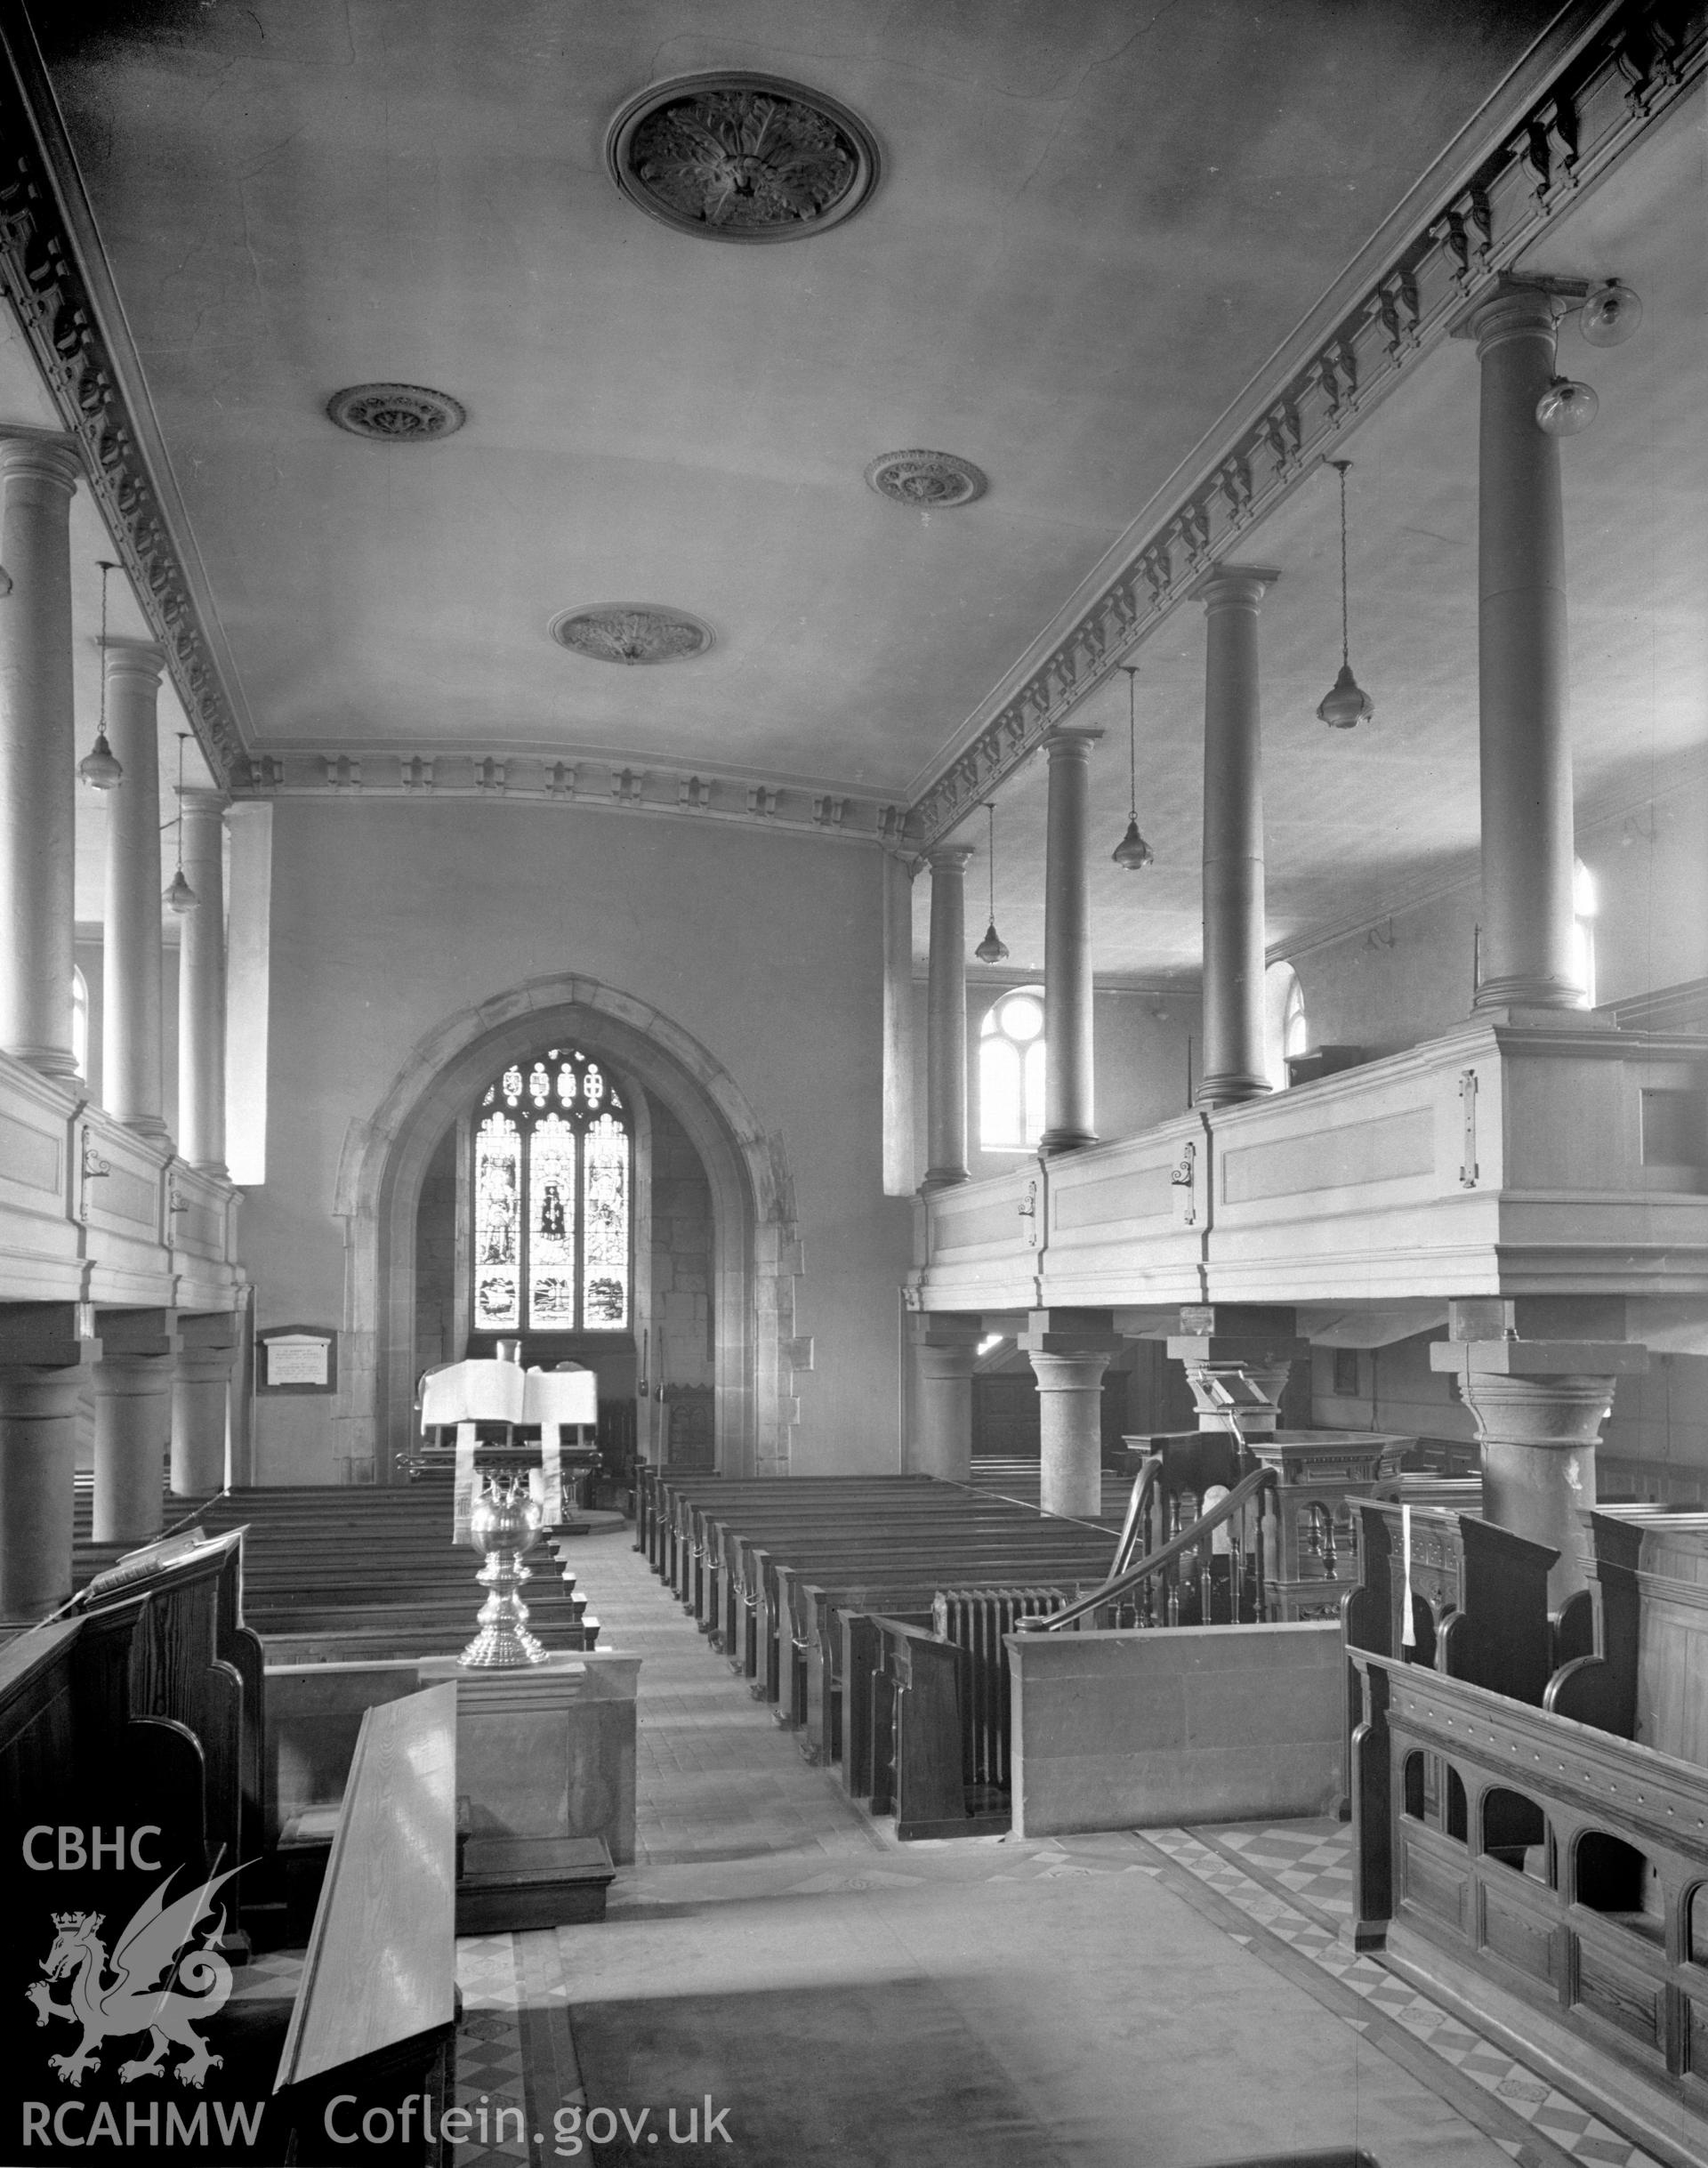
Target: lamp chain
1346,645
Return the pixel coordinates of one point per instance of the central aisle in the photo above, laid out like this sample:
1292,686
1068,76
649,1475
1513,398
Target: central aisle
1169,2000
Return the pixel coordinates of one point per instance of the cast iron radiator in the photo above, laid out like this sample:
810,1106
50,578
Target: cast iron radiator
975,1620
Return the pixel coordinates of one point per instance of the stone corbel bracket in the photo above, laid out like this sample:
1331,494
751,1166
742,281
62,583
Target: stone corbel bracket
1585,101
53,270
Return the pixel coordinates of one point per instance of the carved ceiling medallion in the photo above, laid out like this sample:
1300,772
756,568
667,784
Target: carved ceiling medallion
742,158
396,413
631,633
931,482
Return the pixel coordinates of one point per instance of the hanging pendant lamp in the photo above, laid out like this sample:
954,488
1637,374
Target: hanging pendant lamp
100,767
1133,851
179,896
993,948
1346,704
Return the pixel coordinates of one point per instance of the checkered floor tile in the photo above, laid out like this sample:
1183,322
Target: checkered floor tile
1525,2091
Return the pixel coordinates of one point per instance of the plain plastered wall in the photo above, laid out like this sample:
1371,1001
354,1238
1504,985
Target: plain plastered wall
388,918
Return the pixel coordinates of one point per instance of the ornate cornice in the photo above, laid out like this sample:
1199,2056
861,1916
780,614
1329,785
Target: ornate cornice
602,785
50,264
1562,125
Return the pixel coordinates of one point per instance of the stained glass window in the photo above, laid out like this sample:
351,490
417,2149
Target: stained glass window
554,1223
606,1304
497,1249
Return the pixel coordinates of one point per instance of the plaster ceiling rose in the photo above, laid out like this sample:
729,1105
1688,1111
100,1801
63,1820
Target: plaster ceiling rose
631,633
396,413
930,481
736,157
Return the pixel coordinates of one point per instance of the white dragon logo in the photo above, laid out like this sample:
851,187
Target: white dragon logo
142,1995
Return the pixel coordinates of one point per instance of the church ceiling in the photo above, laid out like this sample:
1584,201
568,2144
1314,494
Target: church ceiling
1051,244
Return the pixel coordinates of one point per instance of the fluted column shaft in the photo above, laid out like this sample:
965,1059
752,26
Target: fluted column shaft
37,753
1067,1054
1232,837
945,1019
201,985
132,1064
1528,849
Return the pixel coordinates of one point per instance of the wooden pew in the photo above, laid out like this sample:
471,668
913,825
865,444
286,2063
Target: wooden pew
1555,1882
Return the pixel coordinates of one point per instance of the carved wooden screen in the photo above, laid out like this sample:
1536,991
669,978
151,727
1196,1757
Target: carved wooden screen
551,1190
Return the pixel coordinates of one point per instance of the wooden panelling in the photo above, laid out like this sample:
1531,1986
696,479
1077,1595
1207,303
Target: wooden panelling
1145,1194
1521,1933
1384,1150
31,1157
1436,1885
1619,1995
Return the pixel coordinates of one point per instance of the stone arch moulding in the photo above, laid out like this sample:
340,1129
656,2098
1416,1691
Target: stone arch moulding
384,1161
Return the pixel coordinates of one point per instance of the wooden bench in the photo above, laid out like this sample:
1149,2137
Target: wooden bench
1554,1882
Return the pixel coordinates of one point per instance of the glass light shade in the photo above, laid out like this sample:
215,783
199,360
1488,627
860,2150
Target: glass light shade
1347,704
1610,315
1566,409
100,767
993,948
1133,851
179,896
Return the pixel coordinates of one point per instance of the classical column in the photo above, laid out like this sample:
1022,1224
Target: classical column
945,1352
1070,1350
945,1019
41,1363
1525,751
1238,1359
207,1352
201,985
1232,837
1539,1405
132,1422
37,752
131,1062
1067,945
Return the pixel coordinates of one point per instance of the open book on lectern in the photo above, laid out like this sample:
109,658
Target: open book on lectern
491,1391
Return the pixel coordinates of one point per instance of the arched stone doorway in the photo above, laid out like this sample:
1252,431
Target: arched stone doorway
755,1245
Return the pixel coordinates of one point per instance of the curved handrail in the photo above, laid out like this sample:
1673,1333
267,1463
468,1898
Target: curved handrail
1236,1500
1144,1488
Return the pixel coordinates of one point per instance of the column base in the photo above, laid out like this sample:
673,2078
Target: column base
47,1060
942,1178
1055,1141
1231,1089
145,1125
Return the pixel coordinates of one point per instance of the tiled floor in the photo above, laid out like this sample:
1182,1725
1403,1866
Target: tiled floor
731,1822
1307,1861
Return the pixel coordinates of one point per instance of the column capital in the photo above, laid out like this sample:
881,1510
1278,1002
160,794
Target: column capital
1514,308
954,857
142,658
44,454
1234,586
198,798
1075,739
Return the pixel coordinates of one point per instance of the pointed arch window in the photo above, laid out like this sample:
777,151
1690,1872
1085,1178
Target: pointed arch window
552,1181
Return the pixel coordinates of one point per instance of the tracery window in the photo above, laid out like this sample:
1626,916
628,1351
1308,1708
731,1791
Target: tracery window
1010,1072
553,1177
